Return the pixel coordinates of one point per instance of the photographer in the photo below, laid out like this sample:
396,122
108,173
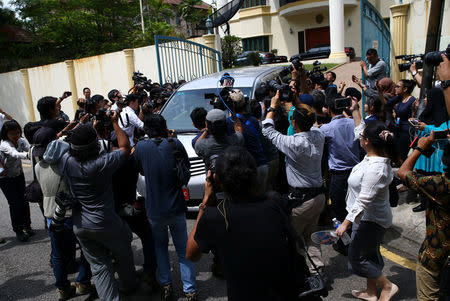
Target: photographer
158,158
95,223
62,239
443,71
252,135
343,155
128,120
435,249
376,69
116,99
303,153
247,230
215,138
198,117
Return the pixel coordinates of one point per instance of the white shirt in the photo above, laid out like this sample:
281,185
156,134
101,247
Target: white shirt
368,191
129,124
11,157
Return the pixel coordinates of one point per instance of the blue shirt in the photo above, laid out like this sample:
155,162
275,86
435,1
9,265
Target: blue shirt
343,150
434,162
196,138
164,196
291,131
252,136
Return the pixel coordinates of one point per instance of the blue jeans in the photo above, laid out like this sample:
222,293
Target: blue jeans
177,226
63,254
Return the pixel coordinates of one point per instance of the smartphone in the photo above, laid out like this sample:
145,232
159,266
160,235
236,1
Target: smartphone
440,135
68,93
414,122
342,103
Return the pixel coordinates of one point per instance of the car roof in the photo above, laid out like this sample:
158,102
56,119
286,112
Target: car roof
243,77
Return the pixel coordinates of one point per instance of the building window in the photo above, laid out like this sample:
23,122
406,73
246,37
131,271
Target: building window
256,43
251,3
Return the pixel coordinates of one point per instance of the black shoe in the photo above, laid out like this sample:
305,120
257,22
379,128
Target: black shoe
419,208
217,271
166,292
2,240
22,236
191,296
30,232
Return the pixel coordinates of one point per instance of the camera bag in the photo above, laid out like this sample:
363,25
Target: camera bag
33,192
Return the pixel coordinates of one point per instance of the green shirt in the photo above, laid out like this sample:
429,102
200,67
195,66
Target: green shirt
436,248
291,131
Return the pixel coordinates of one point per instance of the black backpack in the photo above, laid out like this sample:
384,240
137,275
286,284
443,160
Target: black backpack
182,167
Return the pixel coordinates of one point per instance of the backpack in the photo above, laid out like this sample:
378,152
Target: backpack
182,167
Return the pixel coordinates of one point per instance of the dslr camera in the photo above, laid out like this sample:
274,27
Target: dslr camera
411,59
103,116
64,202
296,61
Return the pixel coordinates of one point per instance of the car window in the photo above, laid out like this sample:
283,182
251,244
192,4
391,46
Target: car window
178,109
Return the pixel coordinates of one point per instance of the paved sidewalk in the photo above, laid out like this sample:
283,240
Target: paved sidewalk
344,73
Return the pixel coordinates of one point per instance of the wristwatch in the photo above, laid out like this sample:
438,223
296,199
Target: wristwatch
419,149
202,206
270,109
445,84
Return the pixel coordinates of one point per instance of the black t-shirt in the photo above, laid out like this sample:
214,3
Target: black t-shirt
254,250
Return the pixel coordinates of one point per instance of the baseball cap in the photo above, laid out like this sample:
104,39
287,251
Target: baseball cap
216,115
41,139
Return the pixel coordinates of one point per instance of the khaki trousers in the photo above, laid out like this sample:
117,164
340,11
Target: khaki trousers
304,219
427,283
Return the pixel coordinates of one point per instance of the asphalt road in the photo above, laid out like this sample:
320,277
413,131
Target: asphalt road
26,275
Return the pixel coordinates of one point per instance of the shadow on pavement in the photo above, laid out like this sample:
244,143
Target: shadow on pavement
22,287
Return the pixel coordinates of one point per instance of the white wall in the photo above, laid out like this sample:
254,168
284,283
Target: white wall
13,97
50,80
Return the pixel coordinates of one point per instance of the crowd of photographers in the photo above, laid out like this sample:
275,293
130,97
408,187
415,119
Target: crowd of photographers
297,155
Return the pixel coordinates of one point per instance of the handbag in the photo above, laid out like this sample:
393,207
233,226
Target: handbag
33,191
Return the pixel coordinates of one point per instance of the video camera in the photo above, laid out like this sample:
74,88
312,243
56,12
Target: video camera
296,61
141,82
103,116
411,59
286,94
216,100
316,74
435,58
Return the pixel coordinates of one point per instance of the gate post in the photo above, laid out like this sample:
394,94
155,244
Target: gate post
209,40
129,63
72,82
337,31
399,20
26,83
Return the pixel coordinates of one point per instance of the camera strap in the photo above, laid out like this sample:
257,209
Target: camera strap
121,121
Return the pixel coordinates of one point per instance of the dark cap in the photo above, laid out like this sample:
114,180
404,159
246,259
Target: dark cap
97,98
41,139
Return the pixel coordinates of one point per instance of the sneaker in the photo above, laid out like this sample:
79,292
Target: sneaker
166,292
84,289
22,236
30,232
191,296
66,294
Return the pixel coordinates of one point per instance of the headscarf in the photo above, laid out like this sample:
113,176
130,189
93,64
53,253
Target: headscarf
387,86
435,112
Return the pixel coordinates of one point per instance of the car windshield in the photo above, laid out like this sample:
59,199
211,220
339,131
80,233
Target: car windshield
178,109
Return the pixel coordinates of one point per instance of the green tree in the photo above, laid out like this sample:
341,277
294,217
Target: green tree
159,11
194,16
231,47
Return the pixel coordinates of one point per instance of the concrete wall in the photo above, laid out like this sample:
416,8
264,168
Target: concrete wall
12,96
100,73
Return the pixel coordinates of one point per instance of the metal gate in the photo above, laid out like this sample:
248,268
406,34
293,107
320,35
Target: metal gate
375,33
182,59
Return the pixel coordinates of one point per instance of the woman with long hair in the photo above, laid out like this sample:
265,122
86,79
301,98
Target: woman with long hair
14,148
369,209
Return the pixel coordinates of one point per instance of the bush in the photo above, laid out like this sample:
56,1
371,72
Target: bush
231,47
254,58
274,51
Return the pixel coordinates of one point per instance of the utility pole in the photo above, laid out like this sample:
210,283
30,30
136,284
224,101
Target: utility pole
142,17
432,44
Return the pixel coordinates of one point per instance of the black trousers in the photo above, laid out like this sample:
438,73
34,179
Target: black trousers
19,209
338,193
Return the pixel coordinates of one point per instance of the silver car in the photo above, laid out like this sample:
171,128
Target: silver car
178,108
